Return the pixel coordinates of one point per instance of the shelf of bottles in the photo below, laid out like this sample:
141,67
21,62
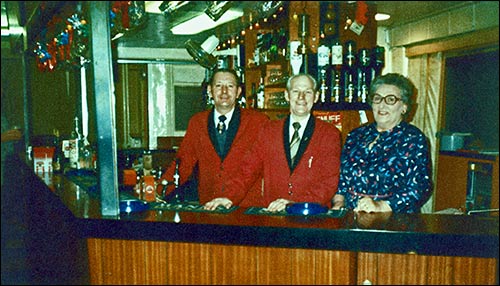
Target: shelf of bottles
344,75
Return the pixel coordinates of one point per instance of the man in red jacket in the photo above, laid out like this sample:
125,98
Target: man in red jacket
311,173
217,146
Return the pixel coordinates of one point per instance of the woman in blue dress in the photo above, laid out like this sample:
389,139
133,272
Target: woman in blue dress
385,165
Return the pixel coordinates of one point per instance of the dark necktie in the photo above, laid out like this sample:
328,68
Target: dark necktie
221,126
294,144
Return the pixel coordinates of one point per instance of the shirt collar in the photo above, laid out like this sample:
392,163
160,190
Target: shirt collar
228,115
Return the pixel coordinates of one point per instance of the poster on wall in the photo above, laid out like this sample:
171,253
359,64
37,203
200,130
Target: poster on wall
334,117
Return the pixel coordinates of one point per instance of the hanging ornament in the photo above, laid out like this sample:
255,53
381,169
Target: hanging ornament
361,18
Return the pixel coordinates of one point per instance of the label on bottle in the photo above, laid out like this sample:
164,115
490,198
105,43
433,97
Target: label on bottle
295,57
73,153
337,57
323,56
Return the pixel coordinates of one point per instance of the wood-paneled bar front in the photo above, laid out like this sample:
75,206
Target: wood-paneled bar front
70,241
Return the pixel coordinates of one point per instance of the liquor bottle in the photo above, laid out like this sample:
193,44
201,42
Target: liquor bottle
336,73
364,74
336,86
282,44
378,61
295,57
260,94
350,71
323,72
253,96
58,160
73,142
85,154
242,101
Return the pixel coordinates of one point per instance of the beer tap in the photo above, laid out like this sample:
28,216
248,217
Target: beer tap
175,181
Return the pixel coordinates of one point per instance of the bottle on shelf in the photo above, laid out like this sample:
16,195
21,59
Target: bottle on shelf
336,72
58,160
350,71
364,74
73,146
378,61
242,101
323,72
252,101
282,44
261,94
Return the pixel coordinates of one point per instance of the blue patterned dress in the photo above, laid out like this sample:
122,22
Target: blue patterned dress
396,169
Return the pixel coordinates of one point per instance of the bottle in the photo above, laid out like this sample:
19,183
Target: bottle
74,148
282,44
85,154
260,94
57,161
336,86
336,72
253,96
350,71
364,74
323,71
378,61
242,101
177,178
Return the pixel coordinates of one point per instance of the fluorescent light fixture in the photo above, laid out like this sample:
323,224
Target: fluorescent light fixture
202,23
382,17
12,31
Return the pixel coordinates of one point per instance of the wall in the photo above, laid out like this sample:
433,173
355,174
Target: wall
467,18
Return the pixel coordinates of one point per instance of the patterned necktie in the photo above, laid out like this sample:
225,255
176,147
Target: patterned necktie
221,126
294,144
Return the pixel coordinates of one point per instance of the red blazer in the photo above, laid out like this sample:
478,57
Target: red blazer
198,147
316,174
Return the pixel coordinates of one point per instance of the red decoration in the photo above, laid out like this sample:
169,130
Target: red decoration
361,11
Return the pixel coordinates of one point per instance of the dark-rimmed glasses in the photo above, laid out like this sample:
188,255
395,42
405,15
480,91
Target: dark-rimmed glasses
390,99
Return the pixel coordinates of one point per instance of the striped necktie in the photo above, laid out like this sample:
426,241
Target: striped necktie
294,144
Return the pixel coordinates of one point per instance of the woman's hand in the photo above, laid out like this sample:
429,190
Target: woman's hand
338,202
368,205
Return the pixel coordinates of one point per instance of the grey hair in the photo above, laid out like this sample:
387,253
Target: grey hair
405,86
311,78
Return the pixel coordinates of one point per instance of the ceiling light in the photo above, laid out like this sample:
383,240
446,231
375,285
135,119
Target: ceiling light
168,7
382,17
217,8
202,23
203,54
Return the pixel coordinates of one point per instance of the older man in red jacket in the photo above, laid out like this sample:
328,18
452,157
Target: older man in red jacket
216,140
296,168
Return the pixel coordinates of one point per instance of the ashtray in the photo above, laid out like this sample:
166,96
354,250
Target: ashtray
133,205
306,208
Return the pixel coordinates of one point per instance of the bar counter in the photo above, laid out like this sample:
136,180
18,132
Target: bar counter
156,247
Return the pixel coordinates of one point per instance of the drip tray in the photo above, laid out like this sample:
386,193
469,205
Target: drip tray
263,211
188,207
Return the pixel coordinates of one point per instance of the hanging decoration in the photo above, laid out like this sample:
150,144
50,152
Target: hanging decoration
64,42
126,16
361,18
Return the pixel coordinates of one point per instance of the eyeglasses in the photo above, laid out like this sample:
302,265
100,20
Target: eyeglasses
390,99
